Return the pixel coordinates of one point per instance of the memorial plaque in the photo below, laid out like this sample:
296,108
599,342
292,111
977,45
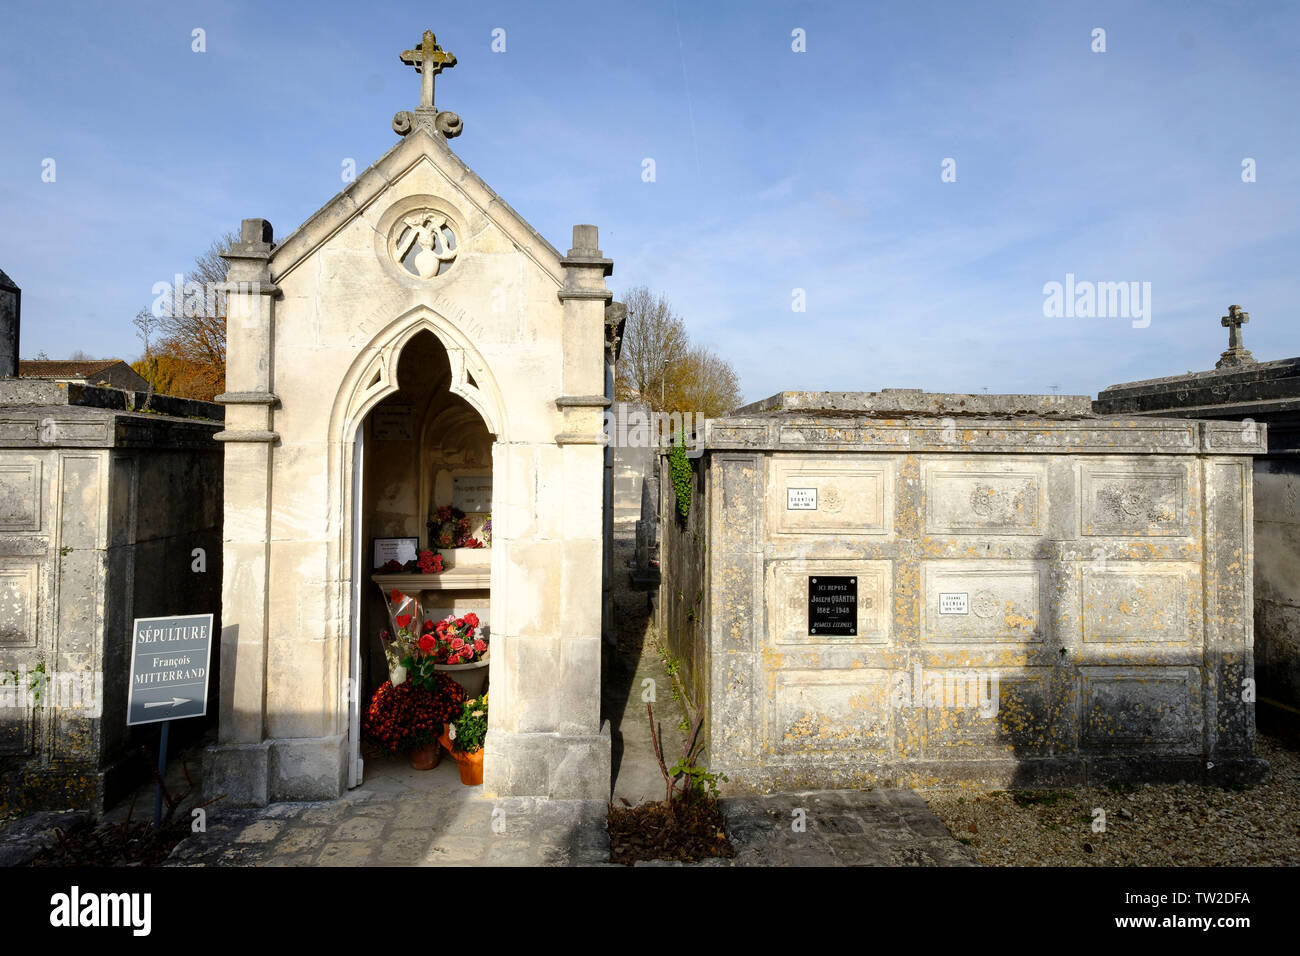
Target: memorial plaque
392,423
471,493
801,499
832,605
958,603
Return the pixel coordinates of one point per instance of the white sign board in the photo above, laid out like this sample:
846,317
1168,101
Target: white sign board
954,603
801,499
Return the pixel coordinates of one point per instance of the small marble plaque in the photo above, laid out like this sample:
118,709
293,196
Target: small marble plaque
471,493
958,603
801,499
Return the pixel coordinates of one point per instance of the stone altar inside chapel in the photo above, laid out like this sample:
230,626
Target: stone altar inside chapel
413,344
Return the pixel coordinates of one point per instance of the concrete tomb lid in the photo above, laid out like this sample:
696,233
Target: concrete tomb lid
891,402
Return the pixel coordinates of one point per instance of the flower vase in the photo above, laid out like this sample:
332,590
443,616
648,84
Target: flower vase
470,766
426,757
473,677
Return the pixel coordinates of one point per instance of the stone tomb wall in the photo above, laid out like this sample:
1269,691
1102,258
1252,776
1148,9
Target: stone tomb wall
101,513
1251,394
1040,601
1277,586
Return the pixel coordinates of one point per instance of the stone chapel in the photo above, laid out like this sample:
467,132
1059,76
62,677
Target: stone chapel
415,343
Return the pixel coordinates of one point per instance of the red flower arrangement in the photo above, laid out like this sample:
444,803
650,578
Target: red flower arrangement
456,643
411,715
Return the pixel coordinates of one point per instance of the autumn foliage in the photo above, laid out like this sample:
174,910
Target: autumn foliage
184,333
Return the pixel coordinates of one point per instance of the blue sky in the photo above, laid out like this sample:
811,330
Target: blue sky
775,170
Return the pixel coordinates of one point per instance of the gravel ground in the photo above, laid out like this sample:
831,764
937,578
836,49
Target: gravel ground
1182,825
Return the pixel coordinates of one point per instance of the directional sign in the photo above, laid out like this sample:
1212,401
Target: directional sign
169,668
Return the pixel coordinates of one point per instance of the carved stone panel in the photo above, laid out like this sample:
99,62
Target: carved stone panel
983,712
16,724
787,605
19,581
1133,706
983,601
1123,502
983,499
851,498
20,496
1133,602
815,711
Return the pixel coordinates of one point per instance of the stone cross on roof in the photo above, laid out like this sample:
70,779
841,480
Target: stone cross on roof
429,60
1237,353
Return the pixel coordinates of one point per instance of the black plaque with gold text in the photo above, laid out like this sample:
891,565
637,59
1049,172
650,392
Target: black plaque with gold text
832,606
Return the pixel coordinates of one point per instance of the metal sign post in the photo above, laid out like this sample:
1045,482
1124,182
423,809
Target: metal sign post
169,678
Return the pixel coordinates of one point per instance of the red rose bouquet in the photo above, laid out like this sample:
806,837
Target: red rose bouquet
403,610
421,658
456,641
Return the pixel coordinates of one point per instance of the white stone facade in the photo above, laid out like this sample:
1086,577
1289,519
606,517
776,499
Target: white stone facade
317,325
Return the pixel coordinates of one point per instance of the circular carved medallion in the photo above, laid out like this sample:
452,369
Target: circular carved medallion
985,605
423,243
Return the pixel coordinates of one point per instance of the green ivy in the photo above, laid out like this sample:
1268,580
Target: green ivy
683,476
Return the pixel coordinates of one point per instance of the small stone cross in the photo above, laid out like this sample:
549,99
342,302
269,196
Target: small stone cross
1233,322
429,60
1237,353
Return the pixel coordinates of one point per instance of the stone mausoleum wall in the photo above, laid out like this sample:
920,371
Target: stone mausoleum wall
1264,393
1044,597
682,610
102,510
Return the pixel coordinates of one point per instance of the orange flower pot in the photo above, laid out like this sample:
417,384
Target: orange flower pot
445,741
426,757
470,766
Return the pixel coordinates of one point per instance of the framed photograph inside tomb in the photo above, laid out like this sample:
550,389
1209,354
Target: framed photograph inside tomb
400,550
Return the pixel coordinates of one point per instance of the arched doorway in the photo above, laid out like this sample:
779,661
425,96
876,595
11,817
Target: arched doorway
420,445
